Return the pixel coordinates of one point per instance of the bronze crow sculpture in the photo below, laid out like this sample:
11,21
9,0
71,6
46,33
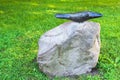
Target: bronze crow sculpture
80,16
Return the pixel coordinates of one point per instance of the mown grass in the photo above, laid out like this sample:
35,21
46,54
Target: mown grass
22,22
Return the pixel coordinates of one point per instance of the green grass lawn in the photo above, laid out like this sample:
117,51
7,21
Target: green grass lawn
22,22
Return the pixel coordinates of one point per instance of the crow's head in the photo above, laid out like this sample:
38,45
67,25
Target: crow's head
94,14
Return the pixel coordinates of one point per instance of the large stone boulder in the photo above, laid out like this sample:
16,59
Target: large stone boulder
69,49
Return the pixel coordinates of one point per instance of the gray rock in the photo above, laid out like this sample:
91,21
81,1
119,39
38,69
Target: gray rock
69,49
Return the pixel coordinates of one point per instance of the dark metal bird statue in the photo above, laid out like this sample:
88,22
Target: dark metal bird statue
80,16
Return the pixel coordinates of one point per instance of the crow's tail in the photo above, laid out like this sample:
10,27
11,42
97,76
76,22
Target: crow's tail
62,16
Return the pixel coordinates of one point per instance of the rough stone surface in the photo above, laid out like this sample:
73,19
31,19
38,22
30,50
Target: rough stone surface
69,49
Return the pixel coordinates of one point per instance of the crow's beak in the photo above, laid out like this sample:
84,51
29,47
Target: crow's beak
95,15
